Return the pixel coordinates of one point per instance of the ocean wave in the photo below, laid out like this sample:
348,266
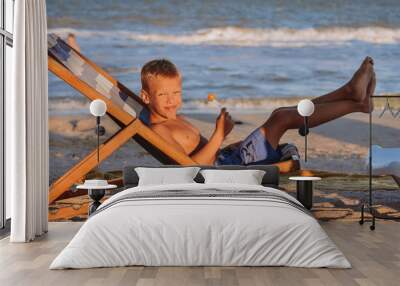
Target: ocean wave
234,36
65,105
242,103
76,105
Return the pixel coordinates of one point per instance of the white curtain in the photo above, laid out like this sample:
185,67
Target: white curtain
27,148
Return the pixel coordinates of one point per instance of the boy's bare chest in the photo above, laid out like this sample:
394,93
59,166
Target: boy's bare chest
185,134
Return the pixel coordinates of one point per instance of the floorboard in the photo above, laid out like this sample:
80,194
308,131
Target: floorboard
375,257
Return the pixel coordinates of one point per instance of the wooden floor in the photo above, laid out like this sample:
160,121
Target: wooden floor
375,256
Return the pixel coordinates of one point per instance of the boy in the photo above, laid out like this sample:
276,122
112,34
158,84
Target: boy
162,92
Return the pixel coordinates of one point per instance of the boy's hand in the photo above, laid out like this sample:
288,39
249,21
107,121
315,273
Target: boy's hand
224,124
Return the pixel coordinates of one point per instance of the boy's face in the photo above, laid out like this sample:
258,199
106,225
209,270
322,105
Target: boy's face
164,96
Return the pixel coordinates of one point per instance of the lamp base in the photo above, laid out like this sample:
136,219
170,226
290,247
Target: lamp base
303,131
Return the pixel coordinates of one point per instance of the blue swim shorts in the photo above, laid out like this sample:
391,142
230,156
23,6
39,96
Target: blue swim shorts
255,150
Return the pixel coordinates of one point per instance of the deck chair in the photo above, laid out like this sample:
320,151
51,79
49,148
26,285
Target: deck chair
123,106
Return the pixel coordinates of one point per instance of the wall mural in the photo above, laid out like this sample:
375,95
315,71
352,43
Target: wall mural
233,89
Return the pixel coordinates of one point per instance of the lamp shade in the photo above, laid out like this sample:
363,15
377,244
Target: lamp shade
305,107
98,107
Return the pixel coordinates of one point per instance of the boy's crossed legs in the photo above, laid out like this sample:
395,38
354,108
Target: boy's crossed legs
352,97
261,146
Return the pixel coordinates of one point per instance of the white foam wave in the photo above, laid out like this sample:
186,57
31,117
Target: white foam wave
78,105
234,36
68,105
239,104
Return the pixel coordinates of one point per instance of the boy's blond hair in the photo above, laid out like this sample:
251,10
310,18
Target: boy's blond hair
157,67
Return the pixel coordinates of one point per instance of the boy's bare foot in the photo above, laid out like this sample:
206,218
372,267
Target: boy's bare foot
368,105
358,84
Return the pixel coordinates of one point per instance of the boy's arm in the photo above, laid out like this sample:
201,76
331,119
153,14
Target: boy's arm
207,154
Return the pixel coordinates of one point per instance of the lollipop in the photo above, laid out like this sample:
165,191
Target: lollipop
212,97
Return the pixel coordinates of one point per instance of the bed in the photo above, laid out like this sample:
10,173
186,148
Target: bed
201,224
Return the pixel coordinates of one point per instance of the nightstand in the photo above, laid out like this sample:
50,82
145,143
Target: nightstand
305,190
96,193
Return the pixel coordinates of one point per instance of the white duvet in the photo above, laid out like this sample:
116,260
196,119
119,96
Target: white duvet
183,231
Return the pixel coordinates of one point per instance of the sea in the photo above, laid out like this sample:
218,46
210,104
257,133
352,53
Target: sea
251,54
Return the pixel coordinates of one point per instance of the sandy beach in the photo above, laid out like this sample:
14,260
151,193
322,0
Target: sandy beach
339,148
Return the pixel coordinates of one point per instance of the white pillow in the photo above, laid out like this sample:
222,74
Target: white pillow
248,177
164,176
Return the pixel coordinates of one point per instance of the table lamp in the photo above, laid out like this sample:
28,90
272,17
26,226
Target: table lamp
98,109
305,108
